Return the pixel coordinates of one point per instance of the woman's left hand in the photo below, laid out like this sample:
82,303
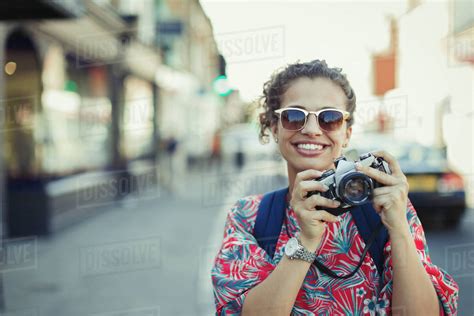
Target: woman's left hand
390,201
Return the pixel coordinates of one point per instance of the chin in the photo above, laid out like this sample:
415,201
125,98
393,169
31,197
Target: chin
311,164
300,163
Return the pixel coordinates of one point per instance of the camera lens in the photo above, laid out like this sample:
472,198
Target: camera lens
355,188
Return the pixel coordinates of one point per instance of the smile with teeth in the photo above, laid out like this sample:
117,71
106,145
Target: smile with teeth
310,146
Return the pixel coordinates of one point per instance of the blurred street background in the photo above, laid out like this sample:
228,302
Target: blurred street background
128,128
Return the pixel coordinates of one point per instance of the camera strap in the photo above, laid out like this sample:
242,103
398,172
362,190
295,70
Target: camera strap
329,272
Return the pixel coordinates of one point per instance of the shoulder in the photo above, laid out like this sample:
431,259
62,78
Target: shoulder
244,211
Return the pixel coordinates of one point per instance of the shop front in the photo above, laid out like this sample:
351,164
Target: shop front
76,134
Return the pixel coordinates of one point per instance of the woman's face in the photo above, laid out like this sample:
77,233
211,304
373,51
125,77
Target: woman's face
312,95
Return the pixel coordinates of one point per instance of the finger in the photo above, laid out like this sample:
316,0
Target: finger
382,202
377,175
392,162
308,174
382,190
322,215
398,191
311,185
317,200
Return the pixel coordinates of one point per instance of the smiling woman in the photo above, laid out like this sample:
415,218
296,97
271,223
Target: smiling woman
313,87
318,264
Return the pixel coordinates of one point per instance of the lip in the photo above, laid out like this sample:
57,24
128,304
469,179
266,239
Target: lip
309,153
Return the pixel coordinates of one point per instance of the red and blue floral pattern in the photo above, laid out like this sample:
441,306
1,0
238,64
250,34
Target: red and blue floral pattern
241,264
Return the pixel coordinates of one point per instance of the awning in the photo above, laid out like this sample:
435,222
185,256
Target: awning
101,37
40,9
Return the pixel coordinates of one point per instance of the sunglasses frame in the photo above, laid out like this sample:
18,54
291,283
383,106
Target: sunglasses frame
345,116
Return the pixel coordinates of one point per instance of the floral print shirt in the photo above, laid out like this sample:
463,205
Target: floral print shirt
241,264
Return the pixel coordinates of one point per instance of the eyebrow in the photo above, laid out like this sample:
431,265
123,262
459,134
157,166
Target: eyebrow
304,108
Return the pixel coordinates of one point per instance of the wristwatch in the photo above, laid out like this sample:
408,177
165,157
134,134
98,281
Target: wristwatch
295,250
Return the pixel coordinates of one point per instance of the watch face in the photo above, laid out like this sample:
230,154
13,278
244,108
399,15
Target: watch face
291,247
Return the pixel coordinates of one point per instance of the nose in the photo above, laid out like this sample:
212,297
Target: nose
312,126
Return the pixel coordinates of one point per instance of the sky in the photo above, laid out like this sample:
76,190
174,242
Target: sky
258,37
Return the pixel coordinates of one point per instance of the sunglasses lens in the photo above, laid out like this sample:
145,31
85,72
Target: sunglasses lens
293,120
330,120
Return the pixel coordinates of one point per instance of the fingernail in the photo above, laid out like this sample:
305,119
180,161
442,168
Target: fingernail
325,187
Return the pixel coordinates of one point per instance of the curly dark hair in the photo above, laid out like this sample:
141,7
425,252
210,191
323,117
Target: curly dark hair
280,81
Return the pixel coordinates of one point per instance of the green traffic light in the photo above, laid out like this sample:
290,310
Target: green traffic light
221,86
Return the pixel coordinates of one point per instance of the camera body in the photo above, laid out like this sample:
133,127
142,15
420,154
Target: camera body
349,186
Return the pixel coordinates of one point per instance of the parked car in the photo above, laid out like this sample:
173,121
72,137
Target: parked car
437,191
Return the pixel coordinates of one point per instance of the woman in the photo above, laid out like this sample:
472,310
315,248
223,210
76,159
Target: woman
248,282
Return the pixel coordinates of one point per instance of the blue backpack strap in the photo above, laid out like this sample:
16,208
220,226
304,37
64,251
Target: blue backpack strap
367,220
269,222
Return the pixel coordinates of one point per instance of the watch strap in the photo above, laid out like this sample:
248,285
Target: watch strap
303,254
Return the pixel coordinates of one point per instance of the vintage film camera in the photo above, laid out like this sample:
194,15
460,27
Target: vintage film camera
349,186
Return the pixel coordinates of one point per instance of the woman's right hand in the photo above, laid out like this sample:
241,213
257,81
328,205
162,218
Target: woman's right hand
312,223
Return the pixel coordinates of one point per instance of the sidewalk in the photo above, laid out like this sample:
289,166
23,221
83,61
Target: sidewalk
140,256
147,255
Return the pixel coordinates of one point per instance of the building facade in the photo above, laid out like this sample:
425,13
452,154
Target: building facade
431,79
88,87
